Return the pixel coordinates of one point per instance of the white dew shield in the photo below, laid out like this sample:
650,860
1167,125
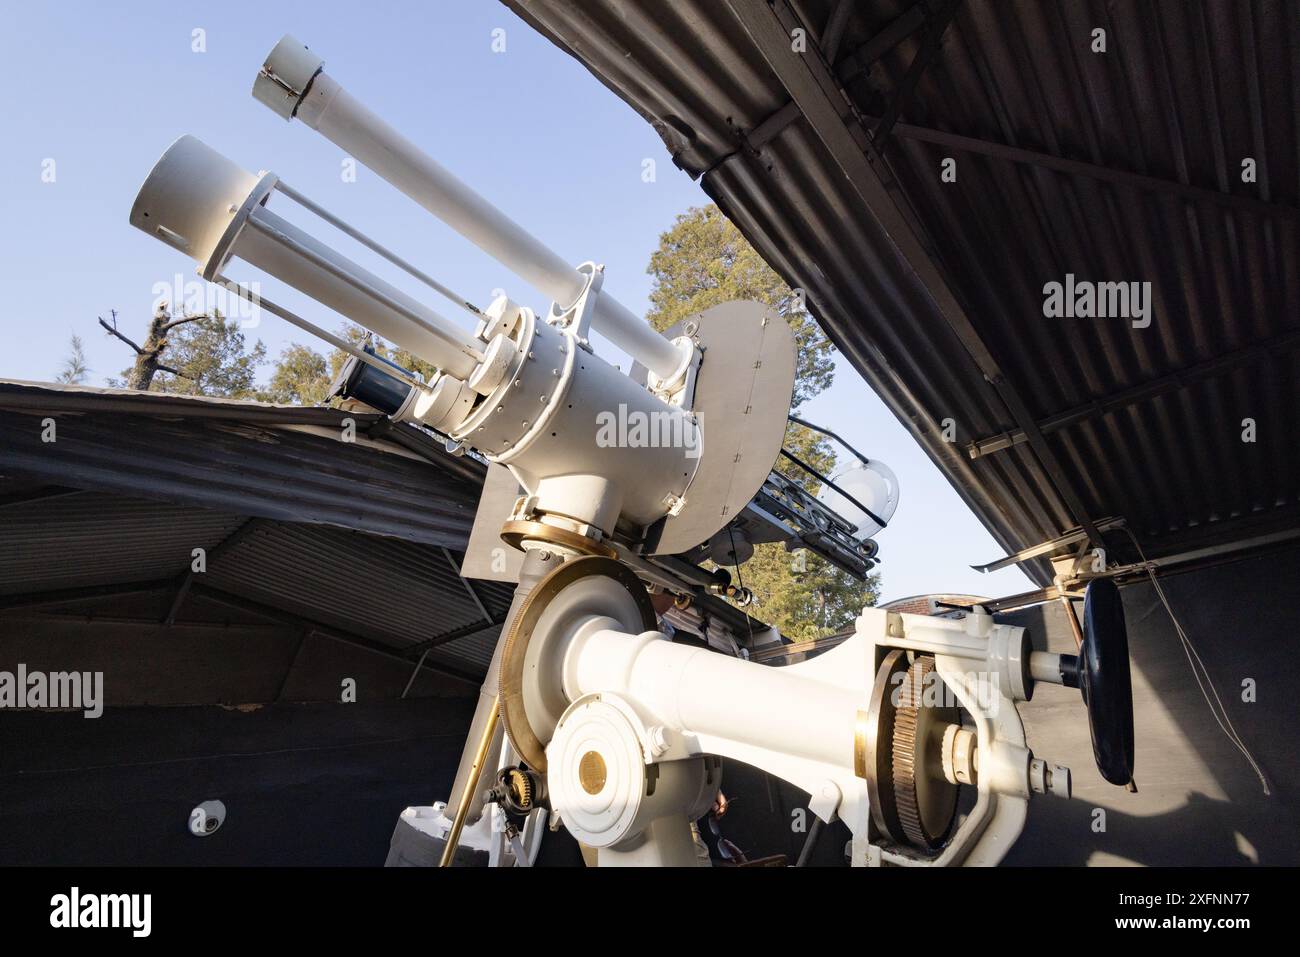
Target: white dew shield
211,209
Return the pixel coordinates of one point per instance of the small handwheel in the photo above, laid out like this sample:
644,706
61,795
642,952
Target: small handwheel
1105,683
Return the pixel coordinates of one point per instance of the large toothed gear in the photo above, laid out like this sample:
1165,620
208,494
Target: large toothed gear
913,802
531,693
926,800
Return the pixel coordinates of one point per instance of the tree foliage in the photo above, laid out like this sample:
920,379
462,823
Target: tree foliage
703,261
74,371
205,355
301,377
212,357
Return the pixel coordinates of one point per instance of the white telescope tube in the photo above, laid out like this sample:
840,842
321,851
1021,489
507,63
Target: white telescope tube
292,84
203,204
291,255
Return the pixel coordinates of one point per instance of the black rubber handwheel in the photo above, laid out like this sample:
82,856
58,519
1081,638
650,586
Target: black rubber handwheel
1105,683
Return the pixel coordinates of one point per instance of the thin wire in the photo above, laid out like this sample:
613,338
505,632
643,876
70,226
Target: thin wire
740,582
1198,667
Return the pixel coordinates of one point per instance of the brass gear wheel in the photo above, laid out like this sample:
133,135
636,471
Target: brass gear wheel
926,800
912,802
634,607
522,785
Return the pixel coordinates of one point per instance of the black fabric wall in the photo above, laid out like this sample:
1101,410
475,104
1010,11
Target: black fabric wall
303,784
1198,801
324,783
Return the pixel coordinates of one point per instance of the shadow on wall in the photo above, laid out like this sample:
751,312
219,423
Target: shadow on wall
1198,800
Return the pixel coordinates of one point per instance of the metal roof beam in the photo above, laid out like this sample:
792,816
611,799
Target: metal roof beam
232,539
814,87
1179,379
60,596
899,29
463,632
856,62
271,613
924,56
1105,174
469,586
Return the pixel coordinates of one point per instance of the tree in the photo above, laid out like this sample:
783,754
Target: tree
206,355
75,371
148,361
358,336
703,261
301,377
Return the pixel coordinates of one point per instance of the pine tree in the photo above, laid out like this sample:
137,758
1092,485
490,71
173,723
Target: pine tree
703,261
75,371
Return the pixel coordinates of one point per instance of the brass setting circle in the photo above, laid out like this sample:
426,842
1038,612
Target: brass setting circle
515,533
591,772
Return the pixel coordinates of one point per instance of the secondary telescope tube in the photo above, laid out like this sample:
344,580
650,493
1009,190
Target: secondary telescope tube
292,84
211,209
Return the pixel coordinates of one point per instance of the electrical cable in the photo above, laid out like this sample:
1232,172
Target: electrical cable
1216,707
740,582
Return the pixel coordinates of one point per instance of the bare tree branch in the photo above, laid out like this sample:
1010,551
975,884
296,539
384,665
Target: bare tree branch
181,321
113,331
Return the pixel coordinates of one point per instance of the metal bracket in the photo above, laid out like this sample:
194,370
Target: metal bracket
1071,537
577,316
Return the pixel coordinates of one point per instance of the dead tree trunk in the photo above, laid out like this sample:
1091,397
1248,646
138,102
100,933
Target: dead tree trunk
148,358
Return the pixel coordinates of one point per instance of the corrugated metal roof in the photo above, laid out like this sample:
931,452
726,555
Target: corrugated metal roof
361,538
95,538
1116,166
247,458
397,592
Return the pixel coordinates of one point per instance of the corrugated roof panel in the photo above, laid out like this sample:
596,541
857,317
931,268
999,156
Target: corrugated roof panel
1049,139
353,536
472,653
93,538
396,592
225,456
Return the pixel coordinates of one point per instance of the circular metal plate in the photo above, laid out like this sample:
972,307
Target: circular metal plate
1105,682
515,533
625,601
742,398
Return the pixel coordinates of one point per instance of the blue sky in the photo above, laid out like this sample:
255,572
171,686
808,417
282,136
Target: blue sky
102,89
